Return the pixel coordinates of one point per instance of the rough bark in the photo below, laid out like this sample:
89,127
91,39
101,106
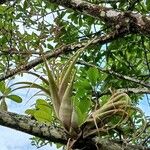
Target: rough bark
136,22
55,134
26,124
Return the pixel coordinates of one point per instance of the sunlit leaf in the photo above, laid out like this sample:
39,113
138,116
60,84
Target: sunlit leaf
93,75
2,87
30,111
42,116
15,98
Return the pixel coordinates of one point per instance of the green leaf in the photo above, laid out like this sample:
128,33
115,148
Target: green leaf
41,102
18,16
148,4
81,116
93,75
81,92
2,9
58,145
49,46
42,116
2,87
25,5
30,112
43,105
15,98
84,105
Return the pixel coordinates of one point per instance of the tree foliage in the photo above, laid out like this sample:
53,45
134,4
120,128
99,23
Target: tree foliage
93,61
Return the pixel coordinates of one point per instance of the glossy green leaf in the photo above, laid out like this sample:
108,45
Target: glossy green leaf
2,87
43,105
84,105
93,75
43,116
41,102
30,111
31,85
81,116
15,98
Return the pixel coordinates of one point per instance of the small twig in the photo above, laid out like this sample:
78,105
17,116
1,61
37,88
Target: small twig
62,50
121,76
126,90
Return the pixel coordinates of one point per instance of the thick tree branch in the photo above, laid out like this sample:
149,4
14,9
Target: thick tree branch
136,22
54,134
104,144
30,126
62,50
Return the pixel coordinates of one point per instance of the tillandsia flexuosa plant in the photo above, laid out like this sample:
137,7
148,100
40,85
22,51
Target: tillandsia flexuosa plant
119,104
60,91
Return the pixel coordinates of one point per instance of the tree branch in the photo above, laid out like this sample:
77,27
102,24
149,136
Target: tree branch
54,134
136,22
104,144
121,76
26,124
62,50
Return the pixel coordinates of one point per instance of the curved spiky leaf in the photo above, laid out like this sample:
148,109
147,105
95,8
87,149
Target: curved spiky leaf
30,85
40,77
53,88
119,96
15,98
100,123
71,62
67,75
66,107
3,105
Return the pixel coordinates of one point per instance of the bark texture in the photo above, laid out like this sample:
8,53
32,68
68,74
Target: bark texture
26,124
54,134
